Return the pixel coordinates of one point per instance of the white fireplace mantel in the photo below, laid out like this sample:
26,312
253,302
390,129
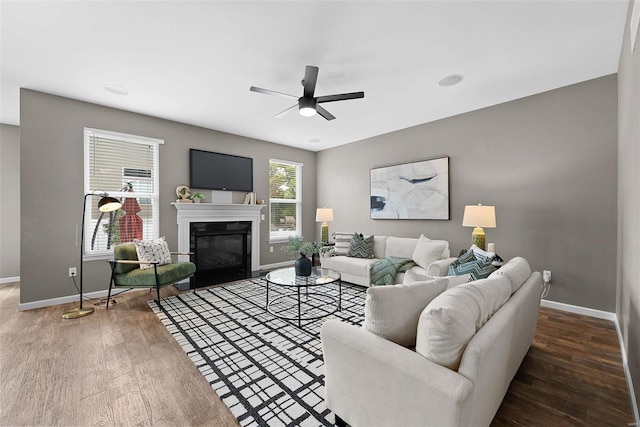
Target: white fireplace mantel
212,212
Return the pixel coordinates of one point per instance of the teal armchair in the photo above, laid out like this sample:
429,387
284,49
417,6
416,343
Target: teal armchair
126,272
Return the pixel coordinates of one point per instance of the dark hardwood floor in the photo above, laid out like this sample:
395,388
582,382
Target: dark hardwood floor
122,367
571,376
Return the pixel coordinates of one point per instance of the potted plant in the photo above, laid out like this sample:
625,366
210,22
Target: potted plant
296,246
197,197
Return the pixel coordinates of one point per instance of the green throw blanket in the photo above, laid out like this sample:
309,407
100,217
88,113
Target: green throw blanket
384,272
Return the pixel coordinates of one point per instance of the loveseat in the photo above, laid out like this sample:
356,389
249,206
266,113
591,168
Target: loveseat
431,356
432,256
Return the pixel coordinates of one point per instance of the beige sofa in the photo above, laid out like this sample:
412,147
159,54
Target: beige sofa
446,380
356,270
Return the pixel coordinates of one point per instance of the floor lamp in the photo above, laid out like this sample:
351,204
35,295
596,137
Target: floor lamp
106,204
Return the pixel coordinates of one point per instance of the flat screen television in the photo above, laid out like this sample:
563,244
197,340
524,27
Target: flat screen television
217,171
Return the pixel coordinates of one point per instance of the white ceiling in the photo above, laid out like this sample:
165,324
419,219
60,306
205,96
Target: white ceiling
194,61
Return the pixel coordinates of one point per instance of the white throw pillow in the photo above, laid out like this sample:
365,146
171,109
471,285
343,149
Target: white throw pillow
411,276
450,321
517,270
477,251
156,250
392,312
428,251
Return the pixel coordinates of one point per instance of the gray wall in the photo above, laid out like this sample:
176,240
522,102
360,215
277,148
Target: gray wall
9,201
51,150
548,164
628,304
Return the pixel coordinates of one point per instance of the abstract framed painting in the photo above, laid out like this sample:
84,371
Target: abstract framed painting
416,190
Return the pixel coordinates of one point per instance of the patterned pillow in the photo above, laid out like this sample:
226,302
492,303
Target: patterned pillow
156,250
478,269
464,258
343,241
361,247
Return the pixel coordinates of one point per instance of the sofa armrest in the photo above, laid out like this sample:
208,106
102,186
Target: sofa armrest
370,381
440,268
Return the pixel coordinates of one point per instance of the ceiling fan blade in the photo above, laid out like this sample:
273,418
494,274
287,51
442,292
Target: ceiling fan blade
271,92
283,113
324,113
310,78
340,97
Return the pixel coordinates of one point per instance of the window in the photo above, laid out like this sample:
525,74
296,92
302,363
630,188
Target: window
126,167
285,201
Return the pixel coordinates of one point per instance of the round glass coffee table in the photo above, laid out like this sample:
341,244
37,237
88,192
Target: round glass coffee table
298,303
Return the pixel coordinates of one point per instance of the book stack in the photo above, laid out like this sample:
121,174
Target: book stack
250,199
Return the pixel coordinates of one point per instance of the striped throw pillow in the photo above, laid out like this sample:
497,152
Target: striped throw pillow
361,247
343,241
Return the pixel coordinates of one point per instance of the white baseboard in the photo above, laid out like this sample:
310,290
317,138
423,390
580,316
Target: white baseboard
277,265
627,374
4,280
63,300
606,315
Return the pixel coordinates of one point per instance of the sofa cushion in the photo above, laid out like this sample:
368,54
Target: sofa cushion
400,247
379,244
348,265
449,322
392,312
155,250
428,251
517,270
361,247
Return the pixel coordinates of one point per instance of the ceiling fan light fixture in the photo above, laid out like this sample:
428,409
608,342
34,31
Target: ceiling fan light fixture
307,107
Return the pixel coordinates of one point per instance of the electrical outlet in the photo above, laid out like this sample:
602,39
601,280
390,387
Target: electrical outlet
270,248
546,276
262,218
73,272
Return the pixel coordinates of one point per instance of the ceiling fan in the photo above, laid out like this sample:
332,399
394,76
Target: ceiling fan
308,105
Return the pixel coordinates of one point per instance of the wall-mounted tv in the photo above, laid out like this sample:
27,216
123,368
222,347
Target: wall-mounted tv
217,171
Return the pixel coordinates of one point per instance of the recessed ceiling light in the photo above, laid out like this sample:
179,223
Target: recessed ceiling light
117,90
451,80
314,140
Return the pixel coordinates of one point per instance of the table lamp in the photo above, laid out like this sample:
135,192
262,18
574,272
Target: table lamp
106,204
479,216
324,215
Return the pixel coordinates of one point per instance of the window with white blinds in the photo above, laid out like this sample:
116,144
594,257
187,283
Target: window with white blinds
126,167
285,199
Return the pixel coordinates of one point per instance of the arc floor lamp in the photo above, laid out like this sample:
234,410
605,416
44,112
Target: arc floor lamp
106,204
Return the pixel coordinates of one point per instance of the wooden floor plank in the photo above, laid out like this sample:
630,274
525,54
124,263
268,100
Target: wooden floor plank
122,367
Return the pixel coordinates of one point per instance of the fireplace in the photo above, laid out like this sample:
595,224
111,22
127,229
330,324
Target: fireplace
224,239
221,251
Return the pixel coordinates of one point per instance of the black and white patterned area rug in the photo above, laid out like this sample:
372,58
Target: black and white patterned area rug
268,371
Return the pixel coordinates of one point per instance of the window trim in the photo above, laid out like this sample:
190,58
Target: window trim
298,202
155,195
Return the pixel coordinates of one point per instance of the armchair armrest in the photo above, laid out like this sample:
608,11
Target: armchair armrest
131,261
370,381
440,268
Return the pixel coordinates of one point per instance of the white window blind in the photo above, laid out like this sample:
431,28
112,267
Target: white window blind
126,167
285,199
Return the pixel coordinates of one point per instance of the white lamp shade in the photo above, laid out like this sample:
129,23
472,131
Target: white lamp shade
479,216
324,214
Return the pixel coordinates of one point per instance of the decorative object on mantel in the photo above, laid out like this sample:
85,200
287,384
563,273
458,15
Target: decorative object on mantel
250,199
184,193
197,197
106,204
324,215
295,246
417,190
479,216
